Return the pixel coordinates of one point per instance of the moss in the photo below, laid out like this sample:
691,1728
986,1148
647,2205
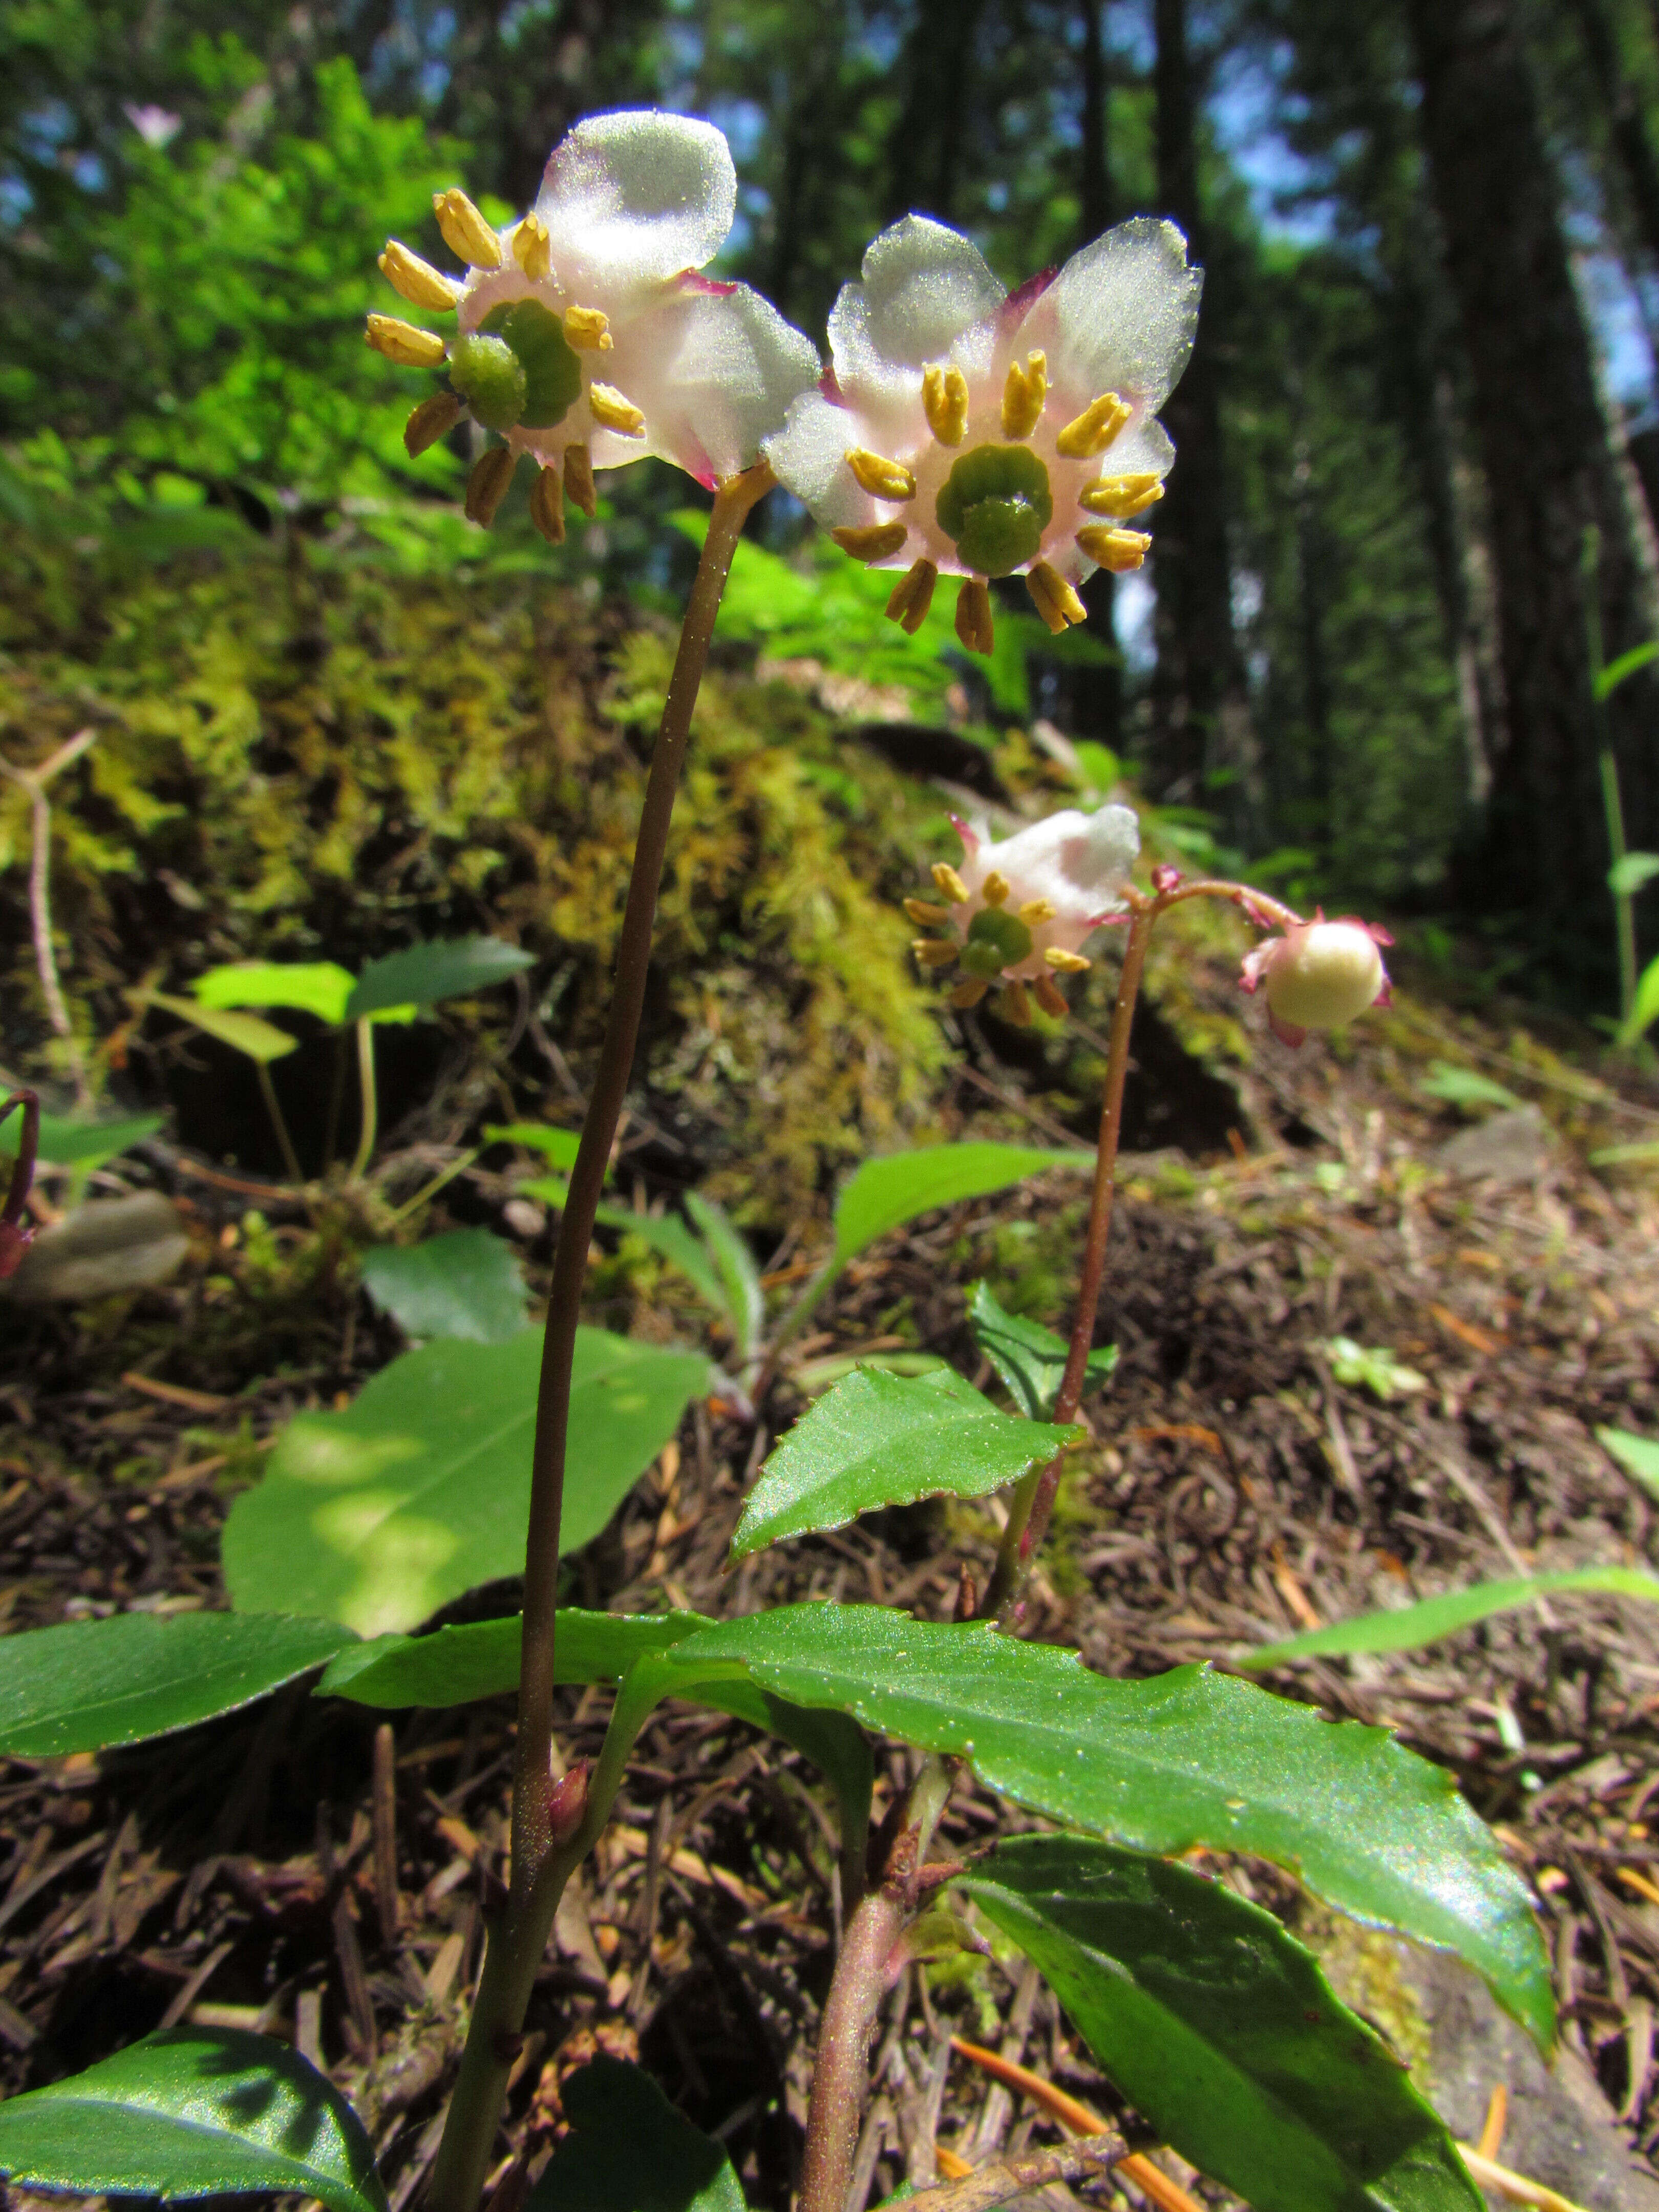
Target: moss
1363,1965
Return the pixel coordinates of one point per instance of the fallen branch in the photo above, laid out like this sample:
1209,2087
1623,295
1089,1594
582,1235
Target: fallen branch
1003,2178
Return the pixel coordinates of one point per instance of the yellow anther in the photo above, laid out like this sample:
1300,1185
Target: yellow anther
579,481
1094,429
1064,962
935,951
870,541
913,595
944,403
1036,911
969,992
588,329
974,615
995,889
464,231
1049,998
949,882
1116,550
927,914
547,506
1120,496
532,248
432,419
1013,1005
418,281
1053,598
1023,396
486,487
404,344
613,412
882,479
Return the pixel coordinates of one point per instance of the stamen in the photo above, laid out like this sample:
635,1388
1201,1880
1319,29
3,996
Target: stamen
1094,429
969,992
1067,964
1036,911
1013,1006
928,915
935,951
996,888
870,541
1120,496
913,595
1023,396
1053,598
974,615
486,487
1116,550
417,281
532,248
609,408
588,329
404,344
432,419
1049,998
547,506
882,479
949,882
464,231
579,480
944,403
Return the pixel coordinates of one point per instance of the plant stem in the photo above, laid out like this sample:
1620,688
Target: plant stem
370,1106
539,1870
34,782
1624,906
290,1158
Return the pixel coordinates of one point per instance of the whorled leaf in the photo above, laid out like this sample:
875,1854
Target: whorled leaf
1030,1359
629,2150
422,974
462,1283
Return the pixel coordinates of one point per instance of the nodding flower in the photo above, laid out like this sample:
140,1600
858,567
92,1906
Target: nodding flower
1319,975
1017,911
971,432
587,338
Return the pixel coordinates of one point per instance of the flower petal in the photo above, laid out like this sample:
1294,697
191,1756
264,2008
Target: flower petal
809,455
925,289
632,199
1125,310
723,370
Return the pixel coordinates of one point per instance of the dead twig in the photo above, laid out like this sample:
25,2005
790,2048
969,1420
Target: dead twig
1004,2177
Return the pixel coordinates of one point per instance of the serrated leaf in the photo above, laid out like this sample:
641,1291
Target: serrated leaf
745,1302
464,1283
1030,1359
193,2111
1221,2032
421,1489
243,1033
1638,1456
90,1683
1406,1627
630,2150
308,987
887,1192
422,974
878,1439
67,1142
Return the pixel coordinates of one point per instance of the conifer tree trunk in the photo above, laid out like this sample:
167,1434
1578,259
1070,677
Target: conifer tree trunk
1624,119
1550,476
1098,692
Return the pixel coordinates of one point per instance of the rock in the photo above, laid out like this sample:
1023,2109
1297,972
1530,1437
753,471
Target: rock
1510,1147
112,1245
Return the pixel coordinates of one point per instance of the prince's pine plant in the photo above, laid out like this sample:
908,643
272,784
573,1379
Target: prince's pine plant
965,431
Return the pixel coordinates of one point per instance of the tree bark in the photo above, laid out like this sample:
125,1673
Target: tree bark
925,149
1097,693
1550,476
1625,121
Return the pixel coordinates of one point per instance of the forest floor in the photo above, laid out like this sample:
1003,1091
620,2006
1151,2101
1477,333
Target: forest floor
1244,1483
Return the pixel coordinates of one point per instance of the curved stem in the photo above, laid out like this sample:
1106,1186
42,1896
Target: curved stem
290,1158
370,1108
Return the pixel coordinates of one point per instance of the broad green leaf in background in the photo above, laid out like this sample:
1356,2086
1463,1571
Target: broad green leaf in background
422,974
1645,1011
1030,1359
193,2111
465,1283
745,1302
895,1188
877,1440
1221,2032
308,987
90,1683
1464,1086
421,1489
244,1033
1608,679
1626,876
559,1145
1638,1456
630,2150
1403,1628
66,1142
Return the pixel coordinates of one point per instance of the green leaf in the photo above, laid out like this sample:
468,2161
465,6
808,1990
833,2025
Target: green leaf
454,1665
308,987
465,1283
421,1489
1221,2032
66,1142
1609,678
1645,1010
560,1146
630,2150
1462,1086
1638,1456
243,1033
897,1189
745,1302
1030,1359
667,1234
1189,1758
90,1683
448,968
1616,1156
878,1439
193,2111
1403,1628
1629,875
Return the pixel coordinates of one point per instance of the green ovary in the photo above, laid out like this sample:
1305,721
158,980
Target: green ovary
995,506
996,940
517,366
491,378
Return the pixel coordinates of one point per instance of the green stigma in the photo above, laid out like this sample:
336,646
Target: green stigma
517,366
995,506
996,940
489,377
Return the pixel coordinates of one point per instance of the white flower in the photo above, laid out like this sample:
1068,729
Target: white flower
1019,910
985,434
1319,975
588,338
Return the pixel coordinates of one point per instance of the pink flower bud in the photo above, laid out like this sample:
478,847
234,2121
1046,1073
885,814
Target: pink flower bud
1319,975
567,1802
